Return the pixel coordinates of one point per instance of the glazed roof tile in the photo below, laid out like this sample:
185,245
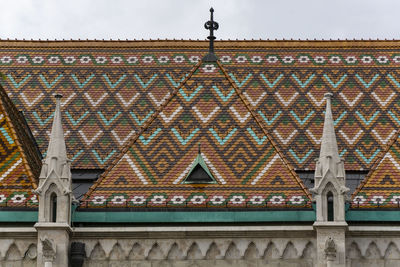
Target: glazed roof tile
112,88
381,187
209,110
20,159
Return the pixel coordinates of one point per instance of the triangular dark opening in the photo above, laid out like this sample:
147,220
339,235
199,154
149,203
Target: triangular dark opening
199,176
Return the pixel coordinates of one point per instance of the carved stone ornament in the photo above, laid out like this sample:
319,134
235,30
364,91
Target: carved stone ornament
49,249
330,249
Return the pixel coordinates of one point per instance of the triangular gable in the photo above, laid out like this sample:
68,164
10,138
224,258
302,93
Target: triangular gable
199,173
19,160
381,187
206,108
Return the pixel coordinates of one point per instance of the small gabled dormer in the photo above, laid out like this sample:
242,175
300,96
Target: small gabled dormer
199,173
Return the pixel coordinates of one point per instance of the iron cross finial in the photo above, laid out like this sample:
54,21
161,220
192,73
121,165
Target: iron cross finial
212,26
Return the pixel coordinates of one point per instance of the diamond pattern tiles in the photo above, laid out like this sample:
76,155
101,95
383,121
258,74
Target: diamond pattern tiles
381,187
110,90
290,102
204,111
103,110
19,159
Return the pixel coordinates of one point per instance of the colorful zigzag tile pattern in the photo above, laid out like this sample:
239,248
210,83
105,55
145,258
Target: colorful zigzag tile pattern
206,110
366,108
19,158
111,89
381,187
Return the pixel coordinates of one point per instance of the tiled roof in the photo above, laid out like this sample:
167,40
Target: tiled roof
209,110
20,159
112,88
381,187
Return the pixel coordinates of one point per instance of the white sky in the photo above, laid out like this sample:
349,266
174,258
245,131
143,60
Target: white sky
238,19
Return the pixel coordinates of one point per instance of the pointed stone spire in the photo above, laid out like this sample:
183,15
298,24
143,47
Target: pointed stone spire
329,171
330,195
329,155
56,159
55,199
56,163
328,142
329,161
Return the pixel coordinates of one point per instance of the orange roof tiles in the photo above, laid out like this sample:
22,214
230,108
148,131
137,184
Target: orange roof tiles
206,109
112,88
381,187
19,158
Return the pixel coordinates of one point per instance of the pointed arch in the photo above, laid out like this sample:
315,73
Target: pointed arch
13,253
175,253
213,252
194,252
290,251
232,253
251,252
137,252
155,253
354,251
330,206
271,252
117,253
329,200
373,251
309,251
98,253
51,203
53,207
392,251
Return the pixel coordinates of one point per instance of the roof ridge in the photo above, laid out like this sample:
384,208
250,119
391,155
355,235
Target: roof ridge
133,139
265,131
16,126
202,40
375,165
285,43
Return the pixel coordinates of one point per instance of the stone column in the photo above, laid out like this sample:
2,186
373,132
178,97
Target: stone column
53,247
331,232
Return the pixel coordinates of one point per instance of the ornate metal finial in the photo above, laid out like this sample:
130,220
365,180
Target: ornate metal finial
211,25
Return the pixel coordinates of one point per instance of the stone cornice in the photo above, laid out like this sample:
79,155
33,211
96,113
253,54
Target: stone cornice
195,232
18,232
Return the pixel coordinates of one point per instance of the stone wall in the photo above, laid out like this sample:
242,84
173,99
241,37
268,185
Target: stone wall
162,247
200,252
18,252
373,252
363,252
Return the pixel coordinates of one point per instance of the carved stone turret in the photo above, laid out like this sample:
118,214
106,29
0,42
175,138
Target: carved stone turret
55,194
330,196
55,199
330,180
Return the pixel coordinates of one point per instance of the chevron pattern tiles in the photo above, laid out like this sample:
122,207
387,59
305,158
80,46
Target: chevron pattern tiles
204,111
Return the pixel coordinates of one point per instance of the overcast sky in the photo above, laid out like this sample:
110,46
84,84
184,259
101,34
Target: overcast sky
238,19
